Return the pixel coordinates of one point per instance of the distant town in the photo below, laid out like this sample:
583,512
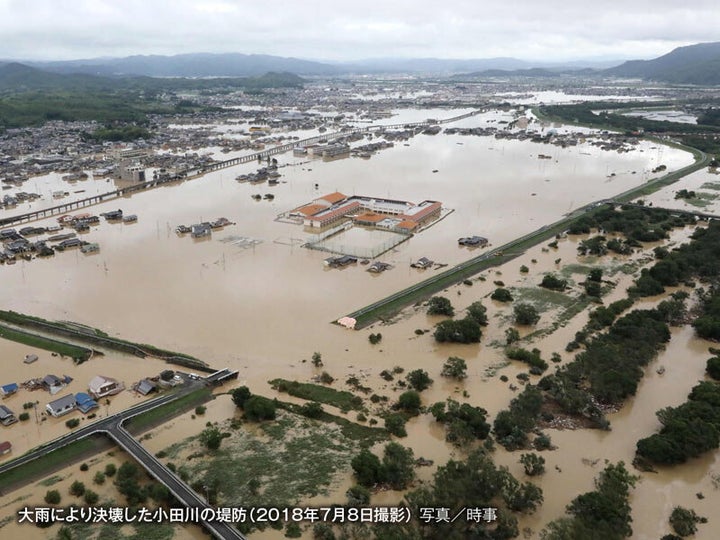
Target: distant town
461,305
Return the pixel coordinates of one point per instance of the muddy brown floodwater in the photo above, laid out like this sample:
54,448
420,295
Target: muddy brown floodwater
262,309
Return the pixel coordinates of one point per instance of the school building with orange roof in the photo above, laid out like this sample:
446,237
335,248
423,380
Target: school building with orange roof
401,216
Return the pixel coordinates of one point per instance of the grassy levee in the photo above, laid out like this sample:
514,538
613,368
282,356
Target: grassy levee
391,305
52,462
701,161
341,399
90,445
33,340
97,337
158,415
351,430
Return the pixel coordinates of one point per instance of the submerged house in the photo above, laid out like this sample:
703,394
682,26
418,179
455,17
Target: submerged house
84,402
200,230
101,386
344,260
378,267
422,262
473,241
61,406
53,384
145,386
113,215
7,417
8,389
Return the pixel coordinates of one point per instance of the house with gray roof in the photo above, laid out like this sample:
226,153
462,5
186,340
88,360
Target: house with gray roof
53,383
7,417
146,386
61,405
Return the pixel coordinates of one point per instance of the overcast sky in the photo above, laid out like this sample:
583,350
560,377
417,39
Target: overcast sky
349,30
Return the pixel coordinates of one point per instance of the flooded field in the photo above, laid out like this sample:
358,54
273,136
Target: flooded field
208,304
664,116
32,496
264,305
42,427
705,184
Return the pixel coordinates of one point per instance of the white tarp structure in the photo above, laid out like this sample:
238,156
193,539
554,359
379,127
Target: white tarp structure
347,322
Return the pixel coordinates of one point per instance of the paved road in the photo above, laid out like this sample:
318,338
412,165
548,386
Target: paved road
101,425
112,426
200,170
407,296
177,487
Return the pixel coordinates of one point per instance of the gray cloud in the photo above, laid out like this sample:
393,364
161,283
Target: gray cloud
322,29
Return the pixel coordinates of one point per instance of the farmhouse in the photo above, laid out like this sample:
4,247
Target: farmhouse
61,405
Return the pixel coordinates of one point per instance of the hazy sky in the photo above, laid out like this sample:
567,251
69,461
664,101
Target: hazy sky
348,30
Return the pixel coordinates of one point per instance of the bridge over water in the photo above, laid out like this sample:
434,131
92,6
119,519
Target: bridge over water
192,172
112,426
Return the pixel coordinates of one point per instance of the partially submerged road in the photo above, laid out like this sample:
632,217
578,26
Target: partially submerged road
397,301
112,426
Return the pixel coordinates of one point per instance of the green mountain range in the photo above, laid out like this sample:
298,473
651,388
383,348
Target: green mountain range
694,64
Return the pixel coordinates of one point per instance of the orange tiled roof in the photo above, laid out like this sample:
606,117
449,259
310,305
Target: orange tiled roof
340,211
334,197
407,224
422,214
311,209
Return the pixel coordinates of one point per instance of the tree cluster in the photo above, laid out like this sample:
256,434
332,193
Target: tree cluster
584,113
698,258
600,514
594,245
600,245
605,316
526,314
685,194
454,368
395,470
439,305
409,402
475,482
124,133
465,330
688,430
478,313
419,379
712,368
637,224
531,358
533,464
610,366
256,408
707,325
554,283
128,484
259,408
211,437
684,521
501,295
395,424
511,426
673,309
464,422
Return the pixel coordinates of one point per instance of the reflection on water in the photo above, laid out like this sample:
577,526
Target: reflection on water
263,309
665,116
